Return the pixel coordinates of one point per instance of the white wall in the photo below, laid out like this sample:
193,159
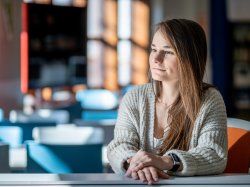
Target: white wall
238,10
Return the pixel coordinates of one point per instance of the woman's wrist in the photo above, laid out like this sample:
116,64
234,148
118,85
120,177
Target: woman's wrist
168,162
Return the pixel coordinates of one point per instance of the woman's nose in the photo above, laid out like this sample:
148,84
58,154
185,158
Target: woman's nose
159,57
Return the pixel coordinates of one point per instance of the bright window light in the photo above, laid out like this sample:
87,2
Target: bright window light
124,62
124,19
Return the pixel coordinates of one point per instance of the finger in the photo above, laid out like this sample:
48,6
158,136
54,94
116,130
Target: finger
132,166
148,175
154,173
129,160
136,166
134,175
163,175
129,172
142,164
135,159
139,166
141,175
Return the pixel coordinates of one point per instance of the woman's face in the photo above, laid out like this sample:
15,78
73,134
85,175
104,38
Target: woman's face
163,59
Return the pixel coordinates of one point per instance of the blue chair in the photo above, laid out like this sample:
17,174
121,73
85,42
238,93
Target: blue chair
98,104
41,116
68,134
125,89
27,127
11,135
1,114
74,110
51,158
4,158
93,115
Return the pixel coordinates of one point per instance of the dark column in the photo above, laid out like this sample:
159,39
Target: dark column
221,51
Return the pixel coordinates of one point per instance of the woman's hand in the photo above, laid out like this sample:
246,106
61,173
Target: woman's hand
149,174
143,159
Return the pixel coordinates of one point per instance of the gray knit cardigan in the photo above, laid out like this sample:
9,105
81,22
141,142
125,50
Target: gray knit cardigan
134,129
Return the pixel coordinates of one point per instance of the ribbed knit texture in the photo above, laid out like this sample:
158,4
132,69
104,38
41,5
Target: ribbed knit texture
134,129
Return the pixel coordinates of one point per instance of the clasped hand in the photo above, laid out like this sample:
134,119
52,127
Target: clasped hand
147,167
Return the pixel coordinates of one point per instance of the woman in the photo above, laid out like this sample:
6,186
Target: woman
176,123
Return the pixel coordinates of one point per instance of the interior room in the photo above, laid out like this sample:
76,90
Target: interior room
66,66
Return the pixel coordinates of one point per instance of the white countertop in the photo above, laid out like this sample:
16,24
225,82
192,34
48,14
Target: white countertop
113,179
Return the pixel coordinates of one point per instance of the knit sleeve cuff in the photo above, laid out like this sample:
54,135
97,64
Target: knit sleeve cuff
187,170
117,162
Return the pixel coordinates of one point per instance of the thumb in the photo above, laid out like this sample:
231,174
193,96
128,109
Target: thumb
163,175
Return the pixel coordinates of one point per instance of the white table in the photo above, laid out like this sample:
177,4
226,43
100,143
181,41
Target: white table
17,159
93,180
107,125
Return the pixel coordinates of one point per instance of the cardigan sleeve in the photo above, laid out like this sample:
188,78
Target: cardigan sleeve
126,139
209,156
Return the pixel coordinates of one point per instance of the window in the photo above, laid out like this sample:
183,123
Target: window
118,39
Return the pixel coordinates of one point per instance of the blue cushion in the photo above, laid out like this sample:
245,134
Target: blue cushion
97,99
27,127
99,115
11,135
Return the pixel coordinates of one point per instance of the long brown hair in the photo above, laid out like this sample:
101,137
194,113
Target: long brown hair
189,42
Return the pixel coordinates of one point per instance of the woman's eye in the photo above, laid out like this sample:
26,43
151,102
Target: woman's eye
153,50
169,53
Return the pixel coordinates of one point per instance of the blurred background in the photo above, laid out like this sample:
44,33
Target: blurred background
71,61
50,47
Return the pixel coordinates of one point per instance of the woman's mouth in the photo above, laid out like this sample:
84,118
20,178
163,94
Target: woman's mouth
159,69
